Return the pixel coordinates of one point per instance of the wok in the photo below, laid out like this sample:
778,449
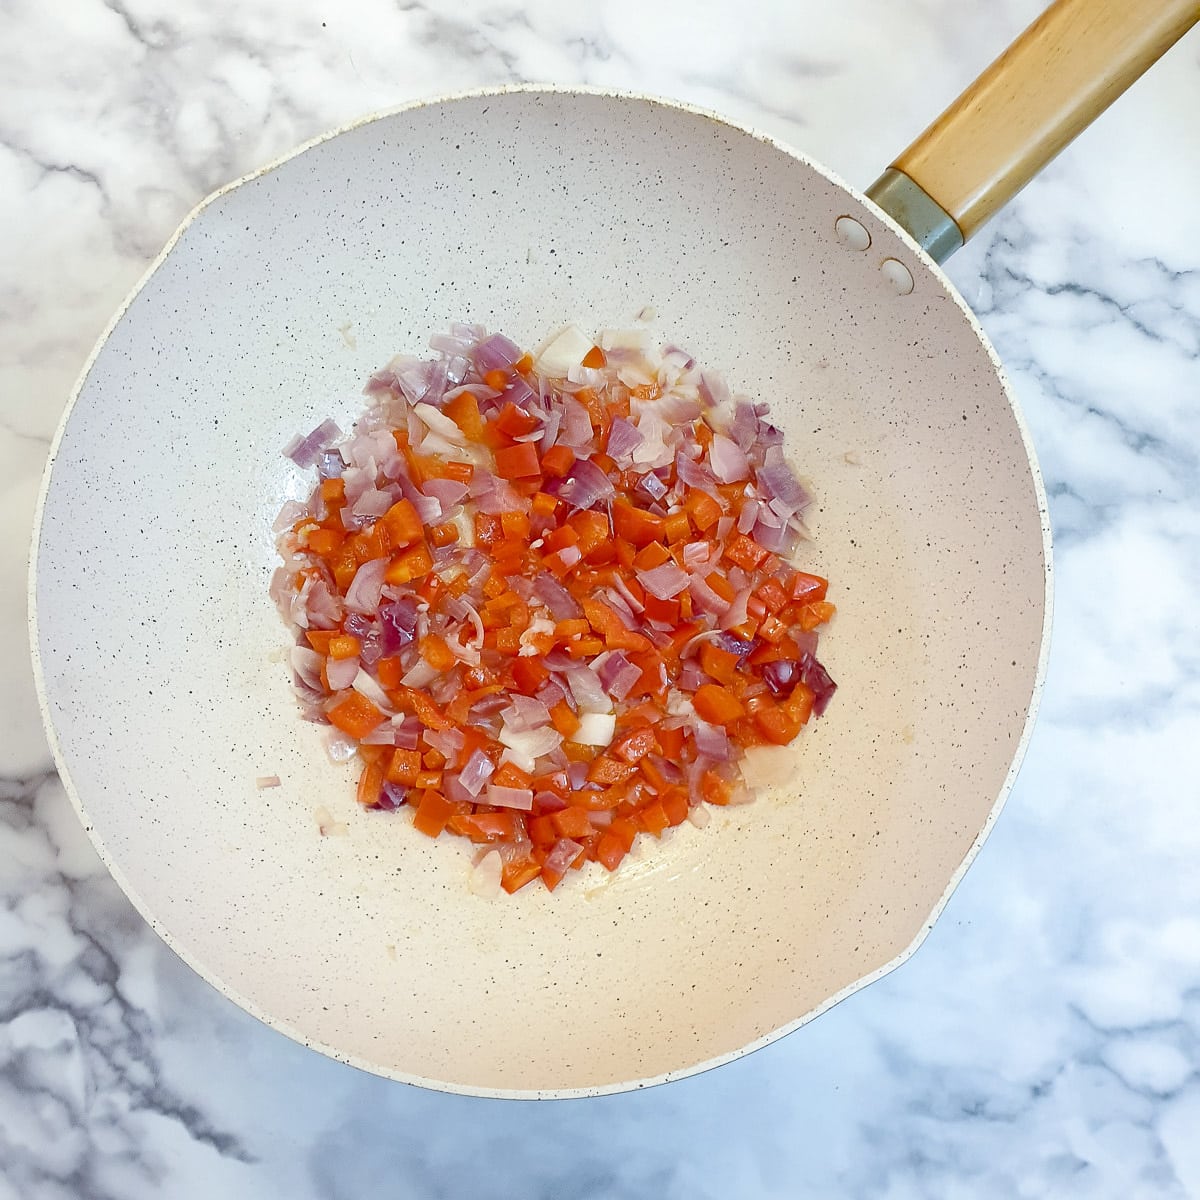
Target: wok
156,647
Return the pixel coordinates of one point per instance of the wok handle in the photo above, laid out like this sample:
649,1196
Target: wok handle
1048,86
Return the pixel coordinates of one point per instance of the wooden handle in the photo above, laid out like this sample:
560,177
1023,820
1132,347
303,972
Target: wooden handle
1054,80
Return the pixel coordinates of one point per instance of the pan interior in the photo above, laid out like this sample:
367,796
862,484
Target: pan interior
159,649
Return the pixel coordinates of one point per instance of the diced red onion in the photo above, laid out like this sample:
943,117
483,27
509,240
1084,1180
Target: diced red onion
617,602
748,516
420,675
447,742
304,451
341,673
629,602
618,676
777,481
694,475
307,665
781,676
652,486
726,460
690,676
732,644
817,678
665,581
373,503
412,376
496,353
577,773
477,770
330,464
589,693
525,713
563,853
738,611
366,685
325,607
562,605
548,802
575,429
289,515
623,438
451,344
454,791
705,598
407,732
769,538
364,592
585,485
381,735
510,797
391,797
448,492
398,623
530,744
713,388
744,427
712,740
696,556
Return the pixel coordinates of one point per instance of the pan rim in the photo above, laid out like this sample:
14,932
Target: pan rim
286,1028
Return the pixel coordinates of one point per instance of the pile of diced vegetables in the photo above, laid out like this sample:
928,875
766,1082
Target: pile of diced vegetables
550,602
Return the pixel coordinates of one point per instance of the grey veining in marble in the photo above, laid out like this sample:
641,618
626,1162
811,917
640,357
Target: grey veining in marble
1046,1039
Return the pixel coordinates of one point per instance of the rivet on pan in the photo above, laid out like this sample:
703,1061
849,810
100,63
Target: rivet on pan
851,233
898,275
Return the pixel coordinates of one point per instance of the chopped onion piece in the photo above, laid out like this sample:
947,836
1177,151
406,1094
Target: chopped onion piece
565,350
727,461
341,673
510,797
486,874
366,685
562,855
365,591
440,424
477,770
595,729
666,581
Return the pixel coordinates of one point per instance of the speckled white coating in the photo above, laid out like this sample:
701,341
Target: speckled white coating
155,641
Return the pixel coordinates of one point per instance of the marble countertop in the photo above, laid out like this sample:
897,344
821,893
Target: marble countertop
1045,1041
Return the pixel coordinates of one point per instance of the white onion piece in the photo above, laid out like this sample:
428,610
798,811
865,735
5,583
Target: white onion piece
486,875
531,743
566,349
439,423
339,747
595,728
700,815
519,759
625,339
419,675
292,512
367,685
